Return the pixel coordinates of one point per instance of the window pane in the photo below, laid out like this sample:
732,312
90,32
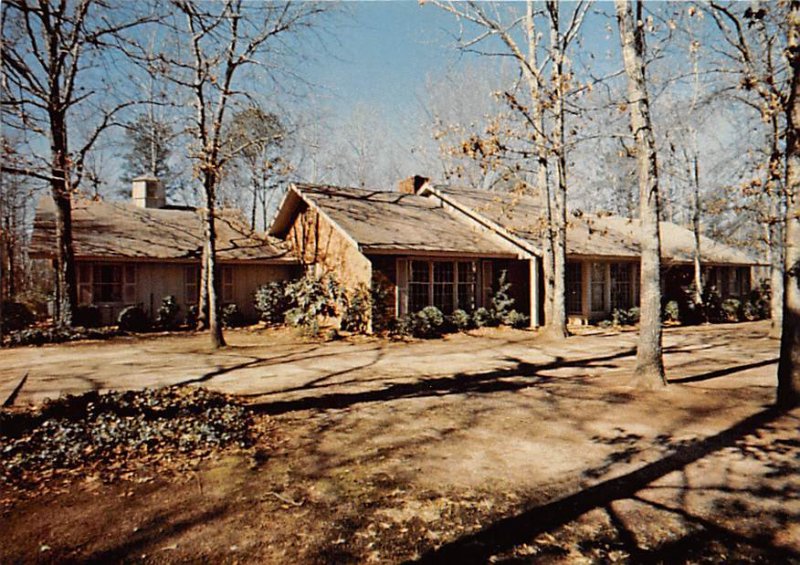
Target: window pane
467,272
574,288
420,271
621,284
598,287
442,272
417,296
443,297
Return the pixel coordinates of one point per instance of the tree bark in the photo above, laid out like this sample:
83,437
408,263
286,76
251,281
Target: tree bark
214,304
542,177
789,365
649,372
557,326
775,228
67,294
202,301
698,267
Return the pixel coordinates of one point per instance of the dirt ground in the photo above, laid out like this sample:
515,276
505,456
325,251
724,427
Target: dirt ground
490,446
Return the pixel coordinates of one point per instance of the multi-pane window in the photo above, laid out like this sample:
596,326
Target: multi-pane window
191,284
448,285
84,284
443,287
574,288
621,285
598,287
419,286
467,284
227,285
106,283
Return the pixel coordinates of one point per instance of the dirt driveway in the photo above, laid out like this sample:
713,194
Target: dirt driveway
495,445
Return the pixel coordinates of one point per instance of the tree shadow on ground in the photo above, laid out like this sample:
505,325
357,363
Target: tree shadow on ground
723,372
519,376
505,534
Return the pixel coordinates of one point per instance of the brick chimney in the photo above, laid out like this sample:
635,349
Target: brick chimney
411,185
148,192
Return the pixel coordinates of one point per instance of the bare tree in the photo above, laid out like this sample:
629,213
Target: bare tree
262,135
789,364
49,50
752,34
532,107
649,370
222,42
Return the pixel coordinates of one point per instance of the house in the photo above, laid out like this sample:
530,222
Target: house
603,251
445,246
138,252
426,254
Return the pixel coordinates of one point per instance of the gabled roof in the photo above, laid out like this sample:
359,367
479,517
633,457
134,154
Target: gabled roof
116,230
390,222
522,217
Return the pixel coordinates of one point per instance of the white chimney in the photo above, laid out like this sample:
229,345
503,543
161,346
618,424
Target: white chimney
148,192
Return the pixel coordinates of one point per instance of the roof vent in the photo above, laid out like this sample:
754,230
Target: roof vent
411,185
148,192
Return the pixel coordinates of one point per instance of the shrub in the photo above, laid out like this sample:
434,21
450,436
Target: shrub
621,317
402,326
732,308
16,316
757,306
167,317
672,311
59,334
482,317
358,311
191,316
381,294
87,316
501,302
133,319
232,317
272,302
517,319
314,297
712,304
460,320
429,322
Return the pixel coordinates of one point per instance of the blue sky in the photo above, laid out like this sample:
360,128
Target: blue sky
381,53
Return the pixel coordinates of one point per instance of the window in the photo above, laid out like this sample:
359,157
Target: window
621,285
467,283
227,285
574,288
443,286
113,283
598,287
191,284
84,284
448,285
419,286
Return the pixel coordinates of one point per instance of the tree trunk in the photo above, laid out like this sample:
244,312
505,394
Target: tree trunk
202,301
254,184
649,370
557,326
775,228
542,178
789,364
698,267
214,304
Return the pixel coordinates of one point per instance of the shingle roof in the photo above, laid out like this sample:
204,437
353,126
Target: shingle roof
117,230
380,221
589,234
